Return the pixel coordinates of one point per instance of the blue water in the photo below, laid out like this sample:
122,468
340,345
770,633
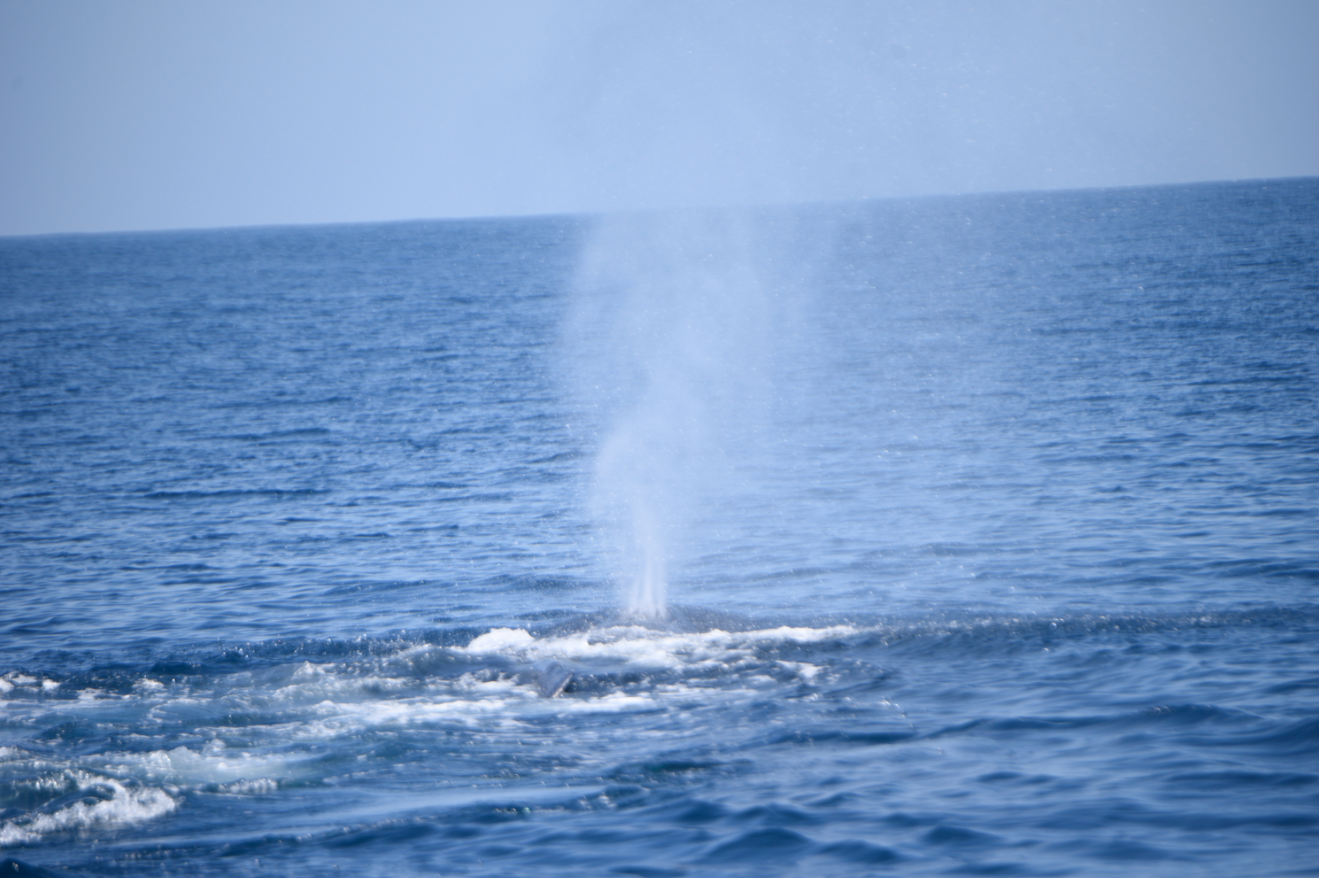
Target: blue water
991,532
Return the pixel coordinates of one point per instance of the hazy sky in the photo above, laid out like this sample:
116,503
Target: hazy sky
135,114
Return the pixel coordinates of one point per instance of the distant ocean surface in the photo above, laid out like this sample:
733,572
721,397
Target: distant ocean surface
990,529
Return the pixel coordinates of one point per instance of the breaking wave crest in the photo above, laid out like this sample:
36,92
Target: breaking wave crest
98,802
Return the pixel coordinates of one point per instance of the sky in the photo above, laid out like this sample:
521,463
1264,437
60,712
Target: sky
162,114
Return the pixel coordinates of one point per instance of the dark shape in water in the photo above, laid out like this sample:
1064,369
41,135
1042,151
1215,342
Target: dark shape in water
552,677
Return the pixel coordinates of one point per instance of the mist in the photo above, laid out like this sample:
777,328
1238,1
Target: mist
679,324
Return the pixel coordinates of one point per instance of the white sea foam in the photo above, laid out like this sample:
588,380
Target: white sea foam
471,700
215,765
500,640
125,806
641,647
316,703
505,704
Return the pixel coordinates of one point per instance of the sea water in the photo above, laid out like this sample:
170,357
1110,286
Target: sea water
990,540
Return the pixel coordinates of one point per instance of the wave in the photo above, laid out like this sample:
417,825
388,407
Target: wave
98,802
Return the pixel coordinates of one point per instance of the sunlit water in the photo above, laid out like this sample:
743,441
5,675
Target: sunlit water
1007,568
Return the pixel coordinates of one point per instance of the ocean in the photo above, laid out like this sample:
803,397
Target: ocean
958,535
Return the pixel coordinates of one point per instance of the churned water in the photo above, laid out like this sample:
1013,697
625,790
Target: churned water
989,528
